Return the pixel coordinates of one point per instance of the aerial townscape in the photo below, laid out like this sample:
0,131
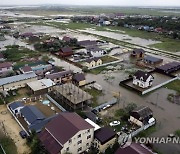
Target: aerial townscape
89,79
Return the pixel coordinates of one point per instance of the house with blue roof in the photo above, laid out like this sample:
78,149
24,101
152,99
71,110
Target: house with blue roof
15,107
32,115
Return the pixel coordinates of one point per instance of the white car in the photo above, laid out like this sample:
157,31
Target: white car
107,106
114,123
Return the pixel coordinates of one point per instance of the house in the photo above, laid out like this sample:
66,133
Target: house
2,57
65,52
143,79
40,87
15,107
95,51
141,116
17,81
79,79
169,67
103,138
60,77
41,69
67,133
26,35
152,60
138,53
72,96
5,67
87,43
32,115
93,62
26,69
134,148
66,39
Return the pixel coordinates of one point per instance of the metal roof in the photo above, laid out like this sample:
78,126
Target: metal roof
15,105
32,114
17,78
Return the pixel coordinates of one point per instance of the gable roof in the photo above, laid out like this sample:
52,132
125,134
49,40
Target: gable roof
153,59
58,74
50,144
5,65
15,105
32,114
66,125
104,134
79,77
17,78
26,69
168,66
93,59
134,148
138,51
143,111
66,49
87,43
94,48
140,74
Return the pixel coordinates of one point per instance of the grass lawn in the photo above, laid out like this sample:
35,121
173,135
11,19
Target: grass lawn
8,145
168,45
108,59
15,53
177,132
19,94
174,85
1,102
95,93
147,132
97,70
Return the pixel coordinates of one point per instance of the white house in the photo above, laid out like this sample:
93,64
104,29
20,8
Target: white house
5,67
95,51
15,107
143,79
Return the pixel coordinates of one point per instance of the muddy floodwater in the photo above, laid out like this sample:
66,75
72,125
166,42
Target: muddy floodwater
166,113
125,37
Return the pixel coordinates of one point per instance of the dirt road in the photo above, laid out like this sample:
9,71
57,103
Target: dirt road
12,129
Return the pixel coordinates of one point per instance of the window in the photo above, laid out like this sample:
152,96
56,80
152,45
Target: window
70,141
88,131
79,135
89,136
79,142
87,144
67,149
79,149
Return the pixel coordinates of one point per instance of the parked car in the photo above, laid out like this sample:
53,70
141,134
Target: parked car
114,123
23,134
105,107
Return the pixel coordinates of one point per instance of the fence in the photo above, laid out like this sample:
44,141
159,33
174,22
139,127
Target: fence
1,147
158,86
17,120
55,103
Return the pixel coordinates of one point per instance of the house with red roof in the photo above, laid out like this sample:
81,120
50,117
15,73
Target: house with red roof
67,133
5,67
65,52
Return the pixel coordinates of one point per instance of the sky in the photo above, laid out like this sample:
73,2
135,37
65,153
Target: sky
95,2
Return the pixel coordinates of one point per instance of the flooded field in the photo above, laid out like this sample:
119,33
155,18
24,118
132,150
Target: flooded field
12,41
122,37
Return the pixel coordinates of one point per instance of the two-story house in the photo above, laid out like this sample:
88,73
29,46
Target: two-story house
93,62
143,79
67,133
